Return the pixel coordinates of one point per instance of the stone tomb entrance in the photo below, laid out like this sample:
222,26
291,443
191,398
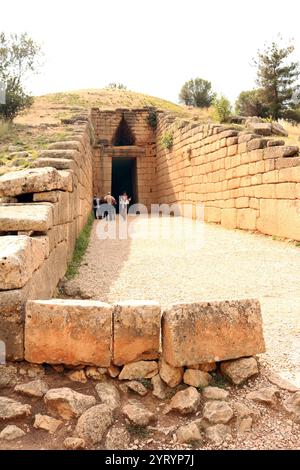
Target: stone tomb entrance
124,178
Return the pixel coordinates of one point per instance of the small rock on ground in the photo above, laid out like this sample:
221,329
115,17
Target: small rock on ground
37,388
109,395
67,403
138,414
47,423
240,370
93,424
11,432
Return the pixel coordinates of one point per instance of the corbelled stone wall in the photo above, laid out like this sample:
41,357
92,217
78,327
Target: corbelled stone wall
243,180
37,237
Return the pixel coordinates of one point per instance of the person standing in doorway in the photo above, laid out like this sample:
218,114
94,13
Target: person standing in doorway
111,202
124,201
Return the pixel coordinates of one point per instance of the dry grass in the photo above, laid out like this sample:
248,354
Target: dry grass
294,133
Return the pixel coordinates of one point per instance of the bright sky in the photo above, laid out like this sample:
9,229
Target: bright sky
152,46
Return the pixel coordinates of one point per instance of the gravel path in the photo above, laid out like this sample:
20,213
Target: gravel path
209,263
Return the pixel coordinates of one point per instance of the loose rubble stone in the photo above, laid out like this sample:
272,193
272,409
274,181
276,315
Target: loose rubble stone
293,406
159,387
218,433
139,370
67,403
186,401
93,424
215,393
138,414
11,432
10,409
113,371
47,423
35,371
137,387
36,388
217,412
196,378
136,331
117,438
189,332
74,443
266,395
172,376
77,376
240,370
244,425
93,373
281,383
8,376
109,395
188,434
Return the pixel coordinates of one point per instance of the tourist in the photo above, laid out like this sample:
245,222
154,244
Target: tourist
124,201
111,202
95,206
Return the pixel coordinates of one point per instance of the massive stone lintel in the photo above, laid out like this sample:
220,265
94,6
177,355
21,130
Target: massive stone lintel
211,331
32,180
35,217
20,256
68,332
136,331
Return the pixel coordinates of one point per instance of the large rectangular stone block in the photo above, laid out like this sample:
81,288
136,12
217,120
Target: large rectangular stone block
136,331
31,180
211,332
280,217
35,217
228,218
20,256
69,332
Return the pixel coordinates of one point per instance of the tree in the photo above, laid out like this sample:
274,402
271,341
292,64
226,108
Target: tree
223,108
250,103
18,57
277,77
197,92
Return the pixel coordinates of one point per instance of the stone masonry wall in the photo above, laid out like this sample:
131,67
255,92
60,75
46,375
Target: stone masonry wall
244,181
105,125
37,237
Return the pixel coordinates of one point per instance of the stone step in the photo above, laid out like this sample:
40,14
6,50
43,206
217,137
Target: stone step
36,217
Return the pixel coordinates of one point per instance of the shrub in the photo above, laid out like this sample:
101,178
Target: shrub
167,140
223,109
152,120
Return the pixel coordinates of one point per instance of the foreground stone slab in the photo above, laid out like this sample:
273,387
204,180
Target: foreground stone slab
32,180
136,331
211,331
69,332
18,217
11,432
20,256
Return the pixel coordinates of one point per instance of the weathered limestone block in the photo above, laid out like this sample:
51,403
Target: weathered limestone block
31,181
280,217
11,322
68,154
36,217
246,219
66,144
20,256
69,332
58,163
229,218
136,331
212,214
211,331
281,151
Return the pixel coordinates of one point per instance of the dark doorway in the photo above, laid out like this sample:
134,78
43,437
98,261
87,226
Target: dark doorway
124,178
